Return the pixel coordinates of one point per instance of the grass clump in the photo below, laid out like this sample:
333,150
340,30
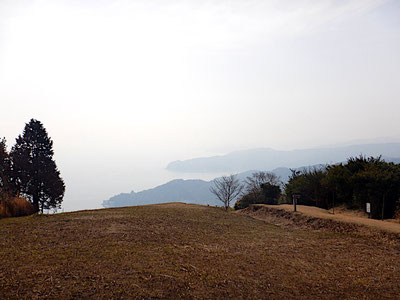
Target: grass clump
15,207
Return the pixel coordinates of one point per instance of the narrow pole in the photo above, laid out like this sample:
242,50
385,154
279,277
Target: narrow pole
294,203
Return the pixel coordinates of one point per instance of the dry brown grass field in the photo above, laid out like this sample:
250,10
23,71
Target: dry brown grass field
189,251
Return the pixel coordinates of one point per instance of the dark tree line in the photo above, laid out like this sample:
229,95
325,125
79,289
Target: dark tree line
29,169
260,188
359,181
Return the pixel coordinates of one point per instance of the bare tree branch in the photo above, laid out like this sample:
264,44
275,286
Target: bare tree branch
257,179
227,189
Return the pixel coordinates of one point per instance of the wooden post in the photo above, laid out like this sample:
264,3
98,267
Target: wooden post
294,203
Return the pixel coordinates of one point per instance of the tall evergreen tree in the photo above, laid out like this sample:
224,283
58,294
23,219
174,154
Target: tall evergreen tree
33,169
5,184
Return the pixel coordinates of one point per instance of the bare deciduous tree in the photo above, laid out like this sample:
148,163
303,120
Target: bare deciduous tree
257,179
227,188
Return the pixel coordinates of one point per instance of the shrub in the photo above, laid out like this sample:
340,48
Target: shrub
15,207
266,194
271,193
244,202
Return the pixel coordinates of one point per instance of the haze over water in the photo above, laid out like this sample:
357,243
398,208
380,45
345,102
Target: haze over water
125,87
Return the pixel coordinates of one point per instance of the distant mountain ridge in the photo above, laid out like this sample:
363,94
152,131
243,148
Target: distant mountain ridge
198,191
178,190
267,158
189,191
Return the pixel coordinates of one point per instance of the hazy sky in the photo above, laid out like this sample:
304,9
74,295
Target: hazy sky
124,87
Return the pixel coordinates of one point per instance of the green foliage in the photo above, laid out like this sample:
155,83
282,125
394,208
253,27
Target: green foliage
308,184
33,169
6,187
355,183
244,202
262,188
3,166
270,193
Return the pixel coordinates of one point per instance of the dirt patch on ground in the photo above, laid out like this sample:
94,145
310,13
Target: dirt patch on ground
345,215
318,219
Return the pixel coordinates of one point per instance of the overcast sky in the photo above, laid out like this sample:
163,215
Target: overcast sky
124,87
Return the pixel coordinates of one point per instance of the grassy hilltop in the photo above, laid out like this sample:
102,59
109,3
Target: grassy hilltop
187,251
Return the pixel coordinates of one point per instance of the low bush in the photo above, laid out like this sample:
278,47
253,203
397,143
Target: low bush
266,194
244,202
15,207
